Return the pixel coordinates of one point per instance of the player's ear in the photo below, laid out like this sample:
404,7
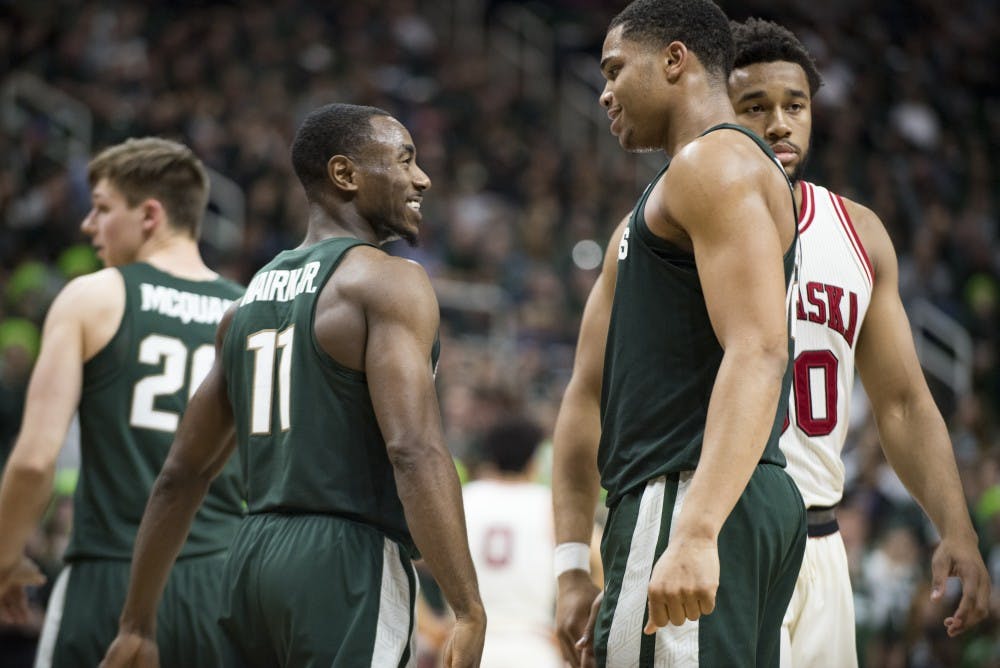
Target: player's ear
674,59
343,173
153,215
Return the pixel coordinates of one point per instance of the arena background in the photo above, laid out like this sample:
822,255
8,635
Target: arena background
501,98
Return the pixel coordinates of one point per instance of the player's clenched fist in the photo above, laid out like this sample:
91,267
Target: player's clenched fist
131,650
465,648
683,583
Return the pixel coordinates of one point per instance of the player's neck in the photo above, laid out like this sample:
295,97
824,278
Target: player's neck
177,255
342,220
704,107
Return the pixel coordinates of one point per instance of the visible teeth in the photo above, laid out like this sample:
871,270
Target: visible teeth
414,205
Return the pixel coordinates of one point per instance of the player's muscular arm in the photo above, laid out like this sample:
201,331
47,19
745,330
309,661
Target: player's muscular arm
575,480
53,395
204,441
913,433
402,315
725,203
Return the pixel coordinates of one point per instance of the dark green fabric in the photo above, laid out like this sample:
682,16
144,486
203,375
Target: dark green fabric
760,552
304,591
187,629
661,360
329,457
760,549
128,416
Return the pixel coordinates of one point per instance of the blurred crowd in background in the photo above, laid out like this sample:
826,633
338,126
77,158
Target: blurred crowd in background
526,189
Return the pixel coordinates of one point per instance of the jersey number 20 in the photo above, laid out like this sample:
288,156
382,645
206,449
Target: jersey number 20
173,354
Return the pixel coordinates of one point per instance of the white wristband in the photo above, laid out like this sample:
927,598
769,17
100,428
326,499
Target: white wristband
571,557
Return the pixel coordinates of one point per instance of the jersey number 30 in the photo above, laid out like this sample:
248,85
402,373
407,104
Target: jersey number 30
814,383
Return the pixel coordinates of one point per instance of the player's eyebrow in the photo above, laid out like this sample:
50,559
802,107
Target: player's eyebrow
751,95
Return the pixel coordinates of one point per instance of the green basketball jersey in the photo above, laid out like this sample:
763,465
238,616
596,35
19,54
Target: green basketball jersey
661,359
305,425
134,392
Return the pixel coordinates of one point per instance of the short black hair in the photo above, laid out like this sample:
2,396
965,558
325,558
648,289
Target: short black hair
700,24
760,41
333,129
510,444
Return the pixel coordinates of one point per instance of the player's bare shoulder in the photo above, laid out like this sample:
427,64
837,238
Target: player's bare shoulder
716,174
95,303
371,276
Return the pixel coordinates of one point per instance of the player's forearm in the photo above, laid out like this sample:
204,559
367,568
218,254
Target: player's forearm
24,494
432,502
575,479
917,446
740,417
173,503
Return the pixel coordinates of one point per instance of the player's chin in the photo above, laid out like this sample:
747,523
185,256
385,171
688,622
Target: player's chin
408,233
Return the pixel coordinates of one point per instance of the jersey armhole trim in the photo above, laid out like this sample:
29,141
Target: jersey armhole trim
808,212
852,235
325,358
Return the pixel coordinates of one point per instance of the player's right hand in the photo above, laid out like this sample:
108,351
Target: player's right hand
577,593
131,650
13,599
465,647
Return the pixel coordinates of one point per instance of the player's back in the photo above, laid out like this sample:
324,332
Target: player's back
134,392
835,286
306,428
512,538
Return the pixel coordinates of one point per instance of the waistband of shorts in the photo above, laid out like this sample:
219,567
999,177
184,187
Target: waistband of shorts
821,521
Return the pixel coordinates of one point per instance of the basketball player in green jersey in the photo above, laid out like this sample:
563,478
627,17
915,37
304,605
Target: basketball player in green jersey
325,374
706,531
125,347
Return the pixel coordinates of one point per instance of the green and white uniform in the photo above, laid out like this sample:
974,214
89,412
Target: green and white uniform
660,366
134,392
319,573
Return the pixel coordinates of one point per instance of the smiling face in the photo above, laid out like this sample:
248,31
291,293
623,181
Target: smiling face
115,229
633,92
773,100
392,190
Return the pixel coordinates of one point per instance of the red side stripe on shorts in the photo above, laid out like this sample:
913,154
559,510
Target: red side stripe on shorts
852,236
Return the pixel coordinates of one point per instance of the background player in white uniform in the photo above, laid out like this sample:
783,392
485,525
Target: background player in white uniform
509,519
849,312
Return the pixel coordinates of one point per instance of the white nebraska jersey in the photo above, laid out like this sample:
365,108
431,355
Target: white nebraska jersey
512,539
835,287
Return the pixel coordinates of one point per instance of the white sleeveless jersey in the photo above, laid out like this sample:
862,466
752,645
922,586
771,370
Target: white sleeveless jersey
834,290
511,537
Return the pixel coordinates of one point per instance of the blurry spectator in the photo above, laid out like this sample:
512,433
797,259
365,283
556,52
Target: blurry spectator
511,536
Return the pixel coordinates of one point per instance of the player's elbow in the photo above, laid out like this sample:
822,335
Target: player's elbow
767,354
405,453
176,477
32,461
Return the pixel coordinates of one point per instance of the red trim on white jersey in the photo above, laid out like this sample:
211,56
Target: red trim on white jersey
852,236
808,208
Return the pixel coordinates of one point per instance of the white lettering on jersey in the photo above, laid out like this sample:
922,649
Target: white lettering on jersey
281,285
623,246
185,306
